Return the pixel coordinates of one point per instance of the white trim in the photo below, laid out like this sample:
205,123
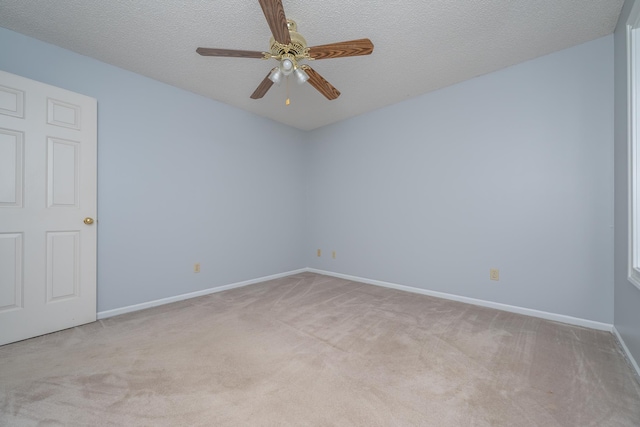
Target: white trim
633,75
483,303
499,306
626,351
136,307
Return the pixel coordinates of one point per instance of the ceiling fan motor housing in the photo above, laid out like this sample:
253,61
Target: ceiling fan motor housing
297,48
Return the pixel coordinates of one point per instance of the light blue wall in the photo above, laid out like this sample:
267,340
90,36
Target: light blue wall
512,170
181,179
627,296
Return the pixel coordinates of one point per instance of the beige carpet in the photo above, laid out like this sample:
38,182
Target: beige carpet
318,351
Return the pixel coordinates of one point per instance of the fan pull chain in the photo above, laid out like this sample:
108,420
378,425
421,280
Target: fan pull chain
288,101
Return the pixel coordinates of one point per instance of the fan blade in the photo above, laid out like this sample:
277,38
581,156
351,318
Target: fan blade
208,51
323,86
274,12
342,49
262,88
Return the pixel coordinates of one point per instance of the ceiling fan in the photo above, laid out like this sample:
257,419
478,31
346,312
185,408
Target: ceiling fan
289,47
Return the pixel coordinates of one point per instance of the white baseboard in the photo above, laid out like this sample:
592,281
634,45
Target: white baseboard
131,308
626,351
499,306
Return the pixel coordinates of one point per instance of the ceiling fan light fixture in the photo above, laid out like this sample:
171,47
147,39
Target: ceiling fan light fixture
301,76
276,76
286,66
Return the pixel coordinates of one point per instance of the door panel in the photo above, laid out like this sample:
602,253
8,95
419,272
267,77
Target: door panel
62,173
48,155
10,271
62,265
11,168
11,102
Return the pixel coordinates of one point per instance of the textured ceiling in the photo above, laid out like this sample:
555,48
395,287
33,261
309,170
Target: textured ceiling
420,45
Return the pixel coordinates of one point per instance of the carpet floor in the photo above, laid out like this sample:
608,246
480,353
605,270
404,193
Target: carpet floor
313,350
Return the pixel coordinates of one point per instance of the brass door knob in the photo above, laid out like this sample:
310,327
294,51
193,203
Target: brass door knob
88,221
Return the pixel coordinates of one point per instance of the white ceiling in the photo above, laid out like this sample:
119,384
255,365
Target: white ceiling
420,45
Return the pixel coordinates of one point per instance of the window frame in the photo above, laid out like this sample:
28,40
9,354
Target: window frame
633,108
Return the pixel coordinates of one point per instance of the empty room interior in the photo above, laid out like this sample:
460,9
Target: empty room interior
430,224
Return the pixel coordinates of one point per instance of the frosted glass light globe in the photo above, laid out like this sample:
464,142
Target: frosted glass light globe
287,65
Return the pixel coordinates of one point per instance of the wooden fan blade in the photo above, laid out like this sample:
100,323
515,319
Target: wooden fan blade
323,86
342,49
274,12
262,88
208,51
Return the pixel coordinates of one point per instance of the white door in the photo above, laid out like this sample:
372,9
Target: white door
48,161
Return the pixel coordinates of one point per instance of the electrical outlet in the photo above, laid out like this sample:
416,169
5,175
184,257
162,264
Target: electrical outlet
333,254
319,252
196,267
494,274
